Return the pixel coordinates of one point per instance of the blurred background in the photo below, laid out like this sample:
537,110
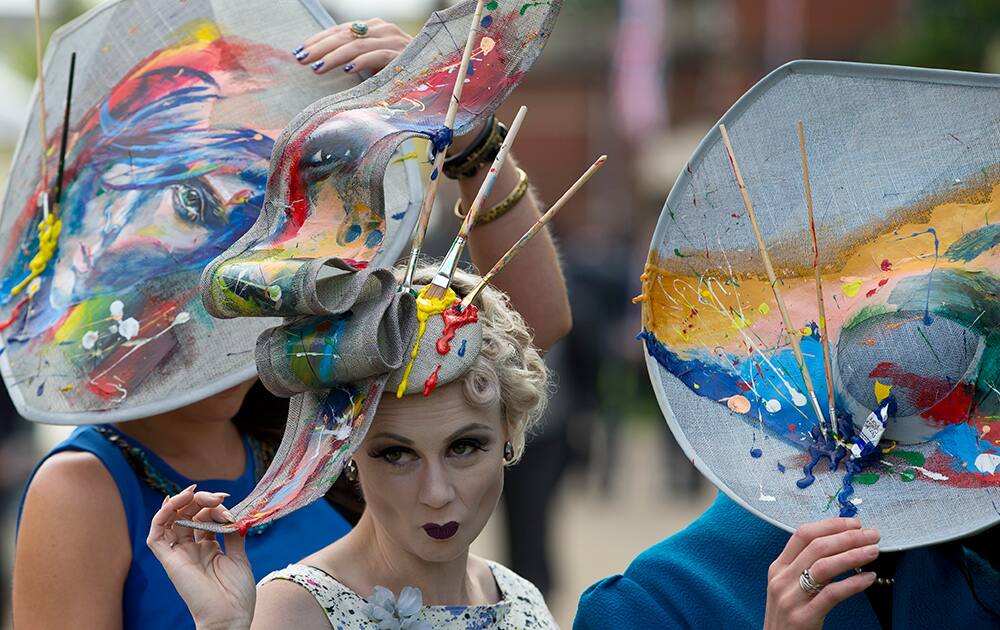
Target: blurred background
640,80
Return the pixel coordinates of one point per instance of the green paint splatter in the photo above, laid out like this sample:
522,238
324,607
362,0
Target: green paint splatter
866,479
492,6
912,458
528,5
908,475
974,243
678,253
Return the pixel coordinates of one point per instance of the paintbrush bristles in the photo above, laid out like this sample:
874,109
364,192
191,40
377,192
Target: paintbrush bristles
534,229
824,335
41,93
449,122
778,298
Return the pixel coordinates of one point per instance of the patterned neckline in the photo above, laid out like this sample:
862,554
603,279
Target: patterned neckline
138,459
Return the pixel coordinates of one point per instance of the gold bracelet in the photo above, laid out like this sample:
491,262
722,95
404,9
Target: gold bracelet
501,208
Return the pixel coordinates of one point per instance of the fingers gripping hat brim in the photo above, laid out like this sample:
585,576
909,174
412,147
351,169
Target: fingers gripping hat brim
904,170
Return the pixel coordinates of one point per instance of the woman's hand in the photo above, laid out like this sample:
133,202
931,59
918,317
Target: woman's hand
218,588
338,47
827,548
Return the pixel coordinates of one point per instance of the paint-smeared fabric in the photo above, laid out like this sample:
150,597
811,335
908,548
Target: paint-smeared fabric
149,599
713,574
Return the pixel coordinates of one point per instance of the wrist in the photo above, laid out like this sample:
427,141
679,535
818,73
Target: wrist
229,624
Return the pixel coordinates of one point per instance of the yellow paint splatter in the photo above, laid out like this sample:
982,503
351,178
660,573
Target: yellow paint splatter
426,306
850,289
48,237
763,309
66,388
882,391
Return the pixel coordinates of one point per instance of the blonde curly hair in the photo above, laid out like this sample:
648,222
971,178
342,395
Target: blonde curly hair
509,369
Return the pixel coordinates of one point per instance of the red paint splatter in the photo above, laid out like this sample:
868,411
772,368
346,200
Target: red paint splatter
791,428
14,314
453,320
356,264
957,478
431,382
883,282
886,265
944,403
743,385
871,293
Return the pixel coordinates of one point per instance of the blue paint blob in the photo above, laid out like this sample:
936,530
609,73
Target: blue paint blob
374,239
398,216
353,233
461,350
440,139
487,21
756,453
434,174
40,390
781,468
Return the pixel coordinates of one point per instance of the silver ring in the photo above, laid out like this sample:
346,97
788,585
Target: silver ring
808,585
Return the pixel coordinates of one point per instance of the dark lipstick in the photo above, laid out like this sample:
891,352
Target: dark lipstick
441,532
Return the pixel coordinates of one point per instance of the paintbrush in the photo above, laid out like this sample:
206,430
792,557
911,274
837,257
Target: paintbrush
534,229
786,320
44,196
442,280
449,123
65,134
824,335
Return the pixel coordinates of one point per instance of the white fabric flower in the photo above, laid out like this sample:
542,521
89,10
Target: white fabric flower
128,328
182,318
89,339
117,310
390,614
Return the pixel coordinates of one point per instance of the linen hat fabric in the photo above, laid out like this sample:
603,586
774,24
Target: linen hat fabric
905,175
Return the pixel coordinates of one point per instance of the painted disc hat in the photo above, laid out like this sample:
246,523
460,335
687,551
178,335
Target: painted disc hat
176,106
905,183
349,331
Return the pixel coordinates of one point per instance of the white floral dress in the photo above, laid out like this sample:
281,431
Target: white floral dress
521,606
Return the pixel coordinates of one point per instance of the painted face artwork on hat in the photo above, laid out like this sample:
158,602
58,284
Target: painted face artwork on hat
905,180
170,139
349,329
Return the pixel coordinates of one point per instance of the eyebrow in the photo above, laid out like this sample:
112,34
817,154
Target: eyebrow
453,436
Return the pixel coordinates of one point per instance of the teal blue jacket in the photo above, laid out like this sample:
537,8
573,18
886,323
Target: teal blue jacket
714,575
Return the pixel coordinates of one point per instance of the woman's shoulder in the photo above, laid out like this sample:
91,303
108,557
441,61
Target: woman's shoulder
304,596
690,576
527,605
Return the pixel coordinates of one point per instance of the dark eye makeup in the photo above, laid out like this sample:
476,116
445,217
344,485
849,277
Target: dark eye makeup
461,447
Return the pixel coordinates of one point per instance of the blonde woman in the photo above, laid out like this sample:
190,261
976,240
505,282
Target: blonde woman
430,471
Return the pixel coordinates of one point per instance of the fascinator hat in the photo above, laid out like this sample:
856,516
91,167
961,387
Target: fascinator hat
820,303
350,332
176,106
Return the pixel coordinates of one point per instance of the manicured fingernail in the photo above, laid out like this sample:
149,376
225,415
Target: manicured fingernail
189,488
165,499
298,50
226,514
301,55
869,576
221,494
349,67
871,534
316,66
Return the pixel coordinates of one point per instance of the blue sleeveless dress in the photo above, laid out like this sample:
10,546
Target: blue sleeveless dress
150,601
